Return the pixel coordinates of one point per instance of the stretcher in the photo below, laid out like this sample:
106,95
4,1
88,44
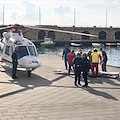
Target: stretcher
64,73
115,74
101,73
58,71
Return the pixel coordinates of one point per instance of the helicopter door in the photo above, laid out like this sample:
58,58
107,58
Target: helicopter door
9,50
7,53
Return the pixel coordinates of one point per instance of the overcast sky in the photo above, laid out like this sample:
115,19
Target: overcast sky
61,12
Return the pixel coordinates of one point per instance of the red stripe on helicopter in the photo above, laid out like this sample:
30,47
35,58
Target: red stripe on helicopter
6,60
14,31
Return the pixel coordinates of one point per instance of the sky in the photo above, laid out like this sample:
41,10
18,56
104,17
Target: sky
85,13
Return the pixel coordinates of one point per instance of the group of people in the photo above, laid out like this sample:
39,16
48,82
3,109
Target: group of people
83,62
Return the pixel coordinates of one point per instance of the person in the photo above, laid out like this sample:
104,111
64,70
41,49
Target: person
104,60
66,50
71,56
89,54
85,68
80,51
15,63
77,64
94,58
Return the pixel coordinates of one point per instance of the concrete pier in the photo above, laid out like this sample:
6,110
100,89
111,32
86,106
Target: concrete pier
49,96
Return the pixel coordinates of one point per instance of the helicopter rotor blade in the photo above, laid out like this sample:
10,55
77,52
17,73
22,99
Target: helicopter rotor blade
2,28
61,31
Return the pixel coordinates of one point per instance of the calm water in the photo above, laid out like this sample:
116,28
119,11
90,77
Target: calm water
113,53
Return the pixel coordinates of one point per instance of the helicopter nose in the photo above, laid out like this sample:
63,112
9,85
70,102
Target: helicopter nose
29,62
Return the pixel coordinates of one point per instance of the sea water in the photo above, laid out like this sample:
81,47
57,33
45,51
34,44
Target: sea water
113,53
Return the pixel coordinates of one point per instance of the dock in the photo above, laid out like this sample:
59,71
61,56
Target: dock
49,96
84,42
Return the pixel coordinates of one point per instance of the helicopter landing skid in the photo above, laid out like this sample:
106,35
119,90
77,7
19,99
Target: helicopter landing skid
28,72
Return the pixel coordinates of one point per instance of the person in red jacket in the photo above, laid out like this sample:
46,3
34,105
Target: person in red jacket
71,56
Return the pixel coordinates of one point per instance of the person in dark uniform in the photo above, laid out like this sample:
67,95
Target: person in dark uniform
15,63
85,68
104,60
77,65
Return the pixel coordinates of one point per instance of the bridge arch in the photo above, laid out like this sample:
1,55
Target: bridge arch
102,35
117,35
84,37
51,34
41,34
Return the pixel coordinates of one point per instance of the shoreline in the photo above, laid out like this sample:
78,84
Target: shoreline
61,56
55,62
113,66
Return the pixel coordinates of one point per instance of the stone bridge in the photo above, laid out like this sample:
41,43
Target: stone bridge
102,33
109,33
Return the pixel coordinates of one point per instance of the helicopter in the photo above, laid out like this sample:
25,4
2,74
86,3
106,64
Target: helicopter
27,53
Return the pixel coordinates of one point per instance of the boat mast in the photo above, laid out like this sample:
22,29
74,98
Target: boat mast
74,17
106,17
39,16
3,14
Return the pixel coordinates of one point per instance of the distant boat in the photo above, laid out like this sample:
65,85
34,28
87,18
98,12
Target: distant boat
47,43
111,44
76,44
97,44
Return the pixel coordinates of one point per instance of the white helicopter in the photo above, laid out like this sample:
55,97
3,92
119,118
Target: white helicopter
27,53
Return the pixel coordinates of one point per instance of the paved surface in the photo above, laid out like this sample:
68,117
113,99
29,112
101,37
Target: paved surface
49,96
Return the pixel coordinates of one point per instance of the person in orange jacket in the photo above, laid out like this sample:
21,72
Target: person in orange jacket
70,56
94,58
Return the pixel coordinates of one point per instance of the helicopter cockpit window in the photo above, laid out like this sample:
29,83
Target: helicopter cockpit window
9,50
32,50
22,51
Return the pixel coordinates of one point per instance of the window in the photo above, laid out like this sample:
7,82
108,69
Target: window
32,50
10,50
7,50
22,51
